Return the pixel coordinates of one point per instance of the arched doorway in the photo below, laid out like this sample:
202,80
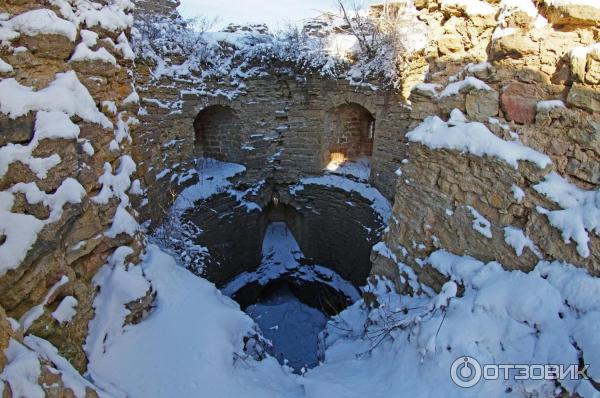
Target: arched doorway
349,133
217,134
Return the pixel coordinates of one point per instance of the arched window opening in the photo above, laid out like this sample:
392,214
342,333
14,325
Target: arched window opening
349,135
217,134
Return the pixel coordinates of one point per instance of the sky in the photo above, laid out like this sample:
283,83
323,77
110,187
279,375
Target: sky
275,13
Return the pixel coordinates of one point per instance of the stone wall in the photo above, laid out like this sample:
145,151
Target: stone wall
76,238
282,127
290,125
334,228
535,62
286,131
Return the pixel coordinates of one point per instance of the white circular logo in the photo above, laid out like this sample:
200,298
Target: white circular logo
465,372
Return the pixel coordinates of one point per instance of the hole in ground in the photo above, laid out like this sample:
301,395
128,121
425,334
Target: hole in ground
290,298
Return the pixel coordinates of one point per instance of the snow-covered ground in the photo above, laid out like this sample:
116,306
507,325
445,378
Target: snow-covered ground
292,326
191,345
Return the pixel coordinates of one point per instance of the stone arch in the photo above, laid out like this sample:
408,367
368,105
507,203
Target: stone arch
349,132
217,133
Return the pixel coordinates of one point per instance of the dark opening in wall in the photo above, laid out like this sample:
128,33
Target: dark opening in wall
349,133
217,134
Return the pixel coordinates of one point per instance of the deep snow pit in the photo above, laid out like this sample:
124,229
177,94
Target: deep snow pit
292,326
289,299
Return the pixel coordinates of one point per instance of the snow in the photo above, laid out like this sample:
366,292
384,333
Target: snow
124,46
378,202
65,310
69,375
28,318
123,223
69,191
7,34
479,67
508,7
88,37
113,16
580,212
65,94
474,138
132,98
518,193
382,249
42,21
22,371
292,327
88,148
214,178
341,45
427,87
579,289
559,3
21,230
407,343
480,223
580,54
502,32
517,239
118,285
4,67
110,106
468,82
551,104
201,340
54,125
471,7
83,53
115,185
